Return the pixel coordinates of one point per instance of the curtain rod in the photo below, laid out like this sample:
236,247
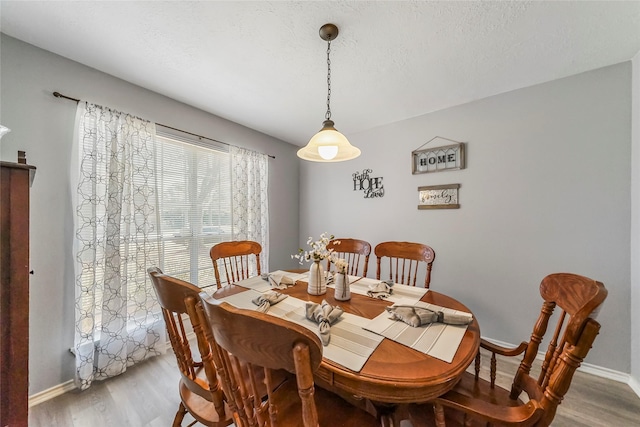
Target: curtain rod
59,95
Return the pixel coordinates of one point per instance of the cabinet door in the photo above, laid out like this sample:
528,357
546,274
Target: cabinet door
14,294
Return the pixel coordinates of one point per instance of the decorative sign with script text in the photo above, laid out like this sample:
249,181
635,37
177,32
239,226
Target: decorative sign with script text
371,186
438,197
436,159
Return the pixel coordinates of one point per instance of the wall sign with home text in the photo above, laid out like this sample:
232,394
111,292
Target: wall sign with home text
370,186
437,159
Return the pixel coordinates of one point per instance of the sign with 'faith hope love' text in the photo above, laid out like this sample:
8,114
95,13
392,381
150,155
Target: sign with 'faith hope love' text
371,186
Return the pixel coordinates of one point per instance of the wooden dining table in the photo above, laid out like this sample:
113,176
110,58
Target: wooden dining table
394,374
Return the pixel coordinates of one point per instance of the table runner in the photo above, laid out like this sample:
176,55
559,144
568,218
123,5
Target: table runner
350,344
259,284
360,285
436,339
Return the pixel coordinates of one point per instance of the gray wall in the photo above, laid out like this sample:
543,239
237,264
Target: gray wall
635,229
43,126
546,189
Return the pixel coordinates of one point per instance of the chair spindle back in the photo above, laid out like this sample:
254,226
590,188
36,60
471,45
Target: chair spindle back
578,299
404,258
238,260
355,252
178,298
246,340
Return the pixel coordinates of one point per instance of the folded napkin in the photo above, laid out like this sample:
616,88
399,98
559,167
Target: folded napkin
267,299
324,315
418,316
380,290
280,280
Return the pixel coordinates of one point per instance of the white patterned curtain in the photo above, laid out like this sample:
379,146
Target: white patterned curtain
118,322
249,199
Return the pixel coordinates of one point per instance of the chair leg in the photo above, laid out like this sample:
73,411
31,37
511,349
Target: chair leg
439,412
182,411
386,420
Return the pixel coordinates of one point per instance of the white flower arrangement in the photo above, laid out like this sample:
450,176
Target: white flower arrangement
318,250
341,264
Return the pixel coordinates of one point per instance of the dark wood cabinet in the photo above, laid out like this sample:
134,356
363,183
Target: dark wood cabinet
15,182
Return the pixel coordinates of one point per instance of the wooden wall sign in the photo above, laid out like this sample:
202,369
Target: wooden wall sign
437,159
439,197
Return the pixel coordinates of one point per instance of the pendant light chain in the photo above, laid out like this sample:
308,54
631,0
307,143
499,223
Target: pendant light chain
328,145
328,114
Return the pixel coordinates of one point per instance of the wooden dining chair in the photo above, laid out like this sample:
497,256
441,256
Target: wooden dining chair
355,252
244,340
200,393
475,401
237,260
404,259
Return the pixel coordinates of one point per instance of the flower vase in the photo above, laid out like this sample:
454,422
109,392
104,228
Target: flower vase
342,291
317,280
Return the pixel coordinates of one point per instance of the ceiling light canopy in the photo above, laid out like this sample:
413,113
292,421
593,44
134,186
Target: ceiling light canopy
328,145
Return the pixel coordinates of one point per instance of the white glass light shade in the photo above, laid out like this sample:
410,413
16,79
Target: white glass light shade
328,145
4,130
327,152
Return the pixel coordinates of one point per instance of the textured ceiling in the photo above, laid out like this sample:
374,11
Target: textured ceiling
262,63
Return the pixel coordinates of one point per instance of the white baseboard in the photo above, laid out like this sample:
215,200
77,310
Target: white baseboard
50,393
588,368
635,385
59,389
607,373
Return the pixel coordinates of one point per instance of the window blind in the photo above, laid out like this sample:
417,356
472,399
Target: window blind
195,206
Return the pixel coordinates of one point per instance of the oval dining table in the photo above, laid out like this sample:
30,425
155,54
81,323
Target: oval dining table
394,374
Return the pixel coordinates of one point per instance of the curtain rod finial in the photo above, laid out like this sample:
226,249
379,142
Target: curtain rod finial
59,95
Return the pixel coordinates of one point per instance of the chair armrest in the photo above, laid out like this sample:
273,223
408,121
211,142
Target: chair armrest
494,348
522,415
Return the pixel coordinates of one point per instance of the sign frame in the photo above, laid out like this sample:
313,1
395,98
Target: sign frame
440,155
447,193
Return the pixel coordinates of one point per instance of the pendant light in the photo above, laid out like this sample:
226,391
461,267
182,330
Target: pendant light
328,145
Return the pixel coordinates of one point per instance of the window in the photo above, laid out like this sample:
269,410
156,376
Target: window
194,198
145,200
158,200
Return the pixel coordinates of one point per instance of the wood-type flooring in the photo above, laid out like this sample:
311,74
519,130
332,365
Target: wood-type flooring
147,396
